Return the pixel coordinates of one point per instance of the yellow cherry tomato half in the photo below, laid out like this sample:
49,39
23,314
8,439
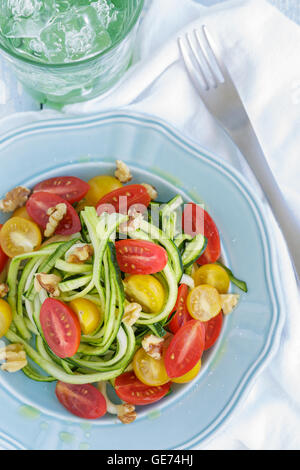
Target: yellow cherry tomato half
100,186
19,236
213,275
89,314
189,376
146,290
204,302
148,370
22,212
5,317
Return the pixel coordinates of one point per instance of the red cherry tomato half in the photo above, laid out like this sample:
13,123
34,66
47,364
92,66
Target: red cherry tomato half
61,328
3,257
131,390
182,316
70,188
85,401
38,205
196,220
185,349
120,200
213,329
140,257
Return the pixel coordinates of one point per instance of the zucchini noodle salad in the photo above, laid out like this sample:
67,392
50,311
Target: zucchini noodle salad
103,286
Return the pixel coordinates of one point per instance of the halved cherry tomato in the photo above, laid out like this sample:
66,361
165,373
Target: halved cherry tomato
85,401
182,316
185,349
204,302
3,257
6,317
131,390
38,205
122,199
189,375
70,188
213,275
19,236
196,220
148,370
146,290
212,330
89,315
101,185
140,257
61,328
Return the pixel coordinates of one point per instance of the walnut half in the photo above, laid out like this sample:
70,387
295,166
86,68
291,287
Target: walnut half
126,413
56,214
122,172
228,302
49,282
132,313
80,254
15,198
153,346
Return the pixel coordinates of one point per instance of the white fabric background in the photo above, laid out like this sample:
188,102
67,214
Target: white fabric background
261,49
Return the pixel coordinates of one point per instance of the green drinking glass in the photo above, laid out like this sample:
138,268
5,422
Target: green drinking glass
67,51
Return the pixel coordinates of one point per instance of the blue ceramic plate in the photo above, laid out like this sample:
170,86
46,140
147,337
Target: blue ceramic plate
31,417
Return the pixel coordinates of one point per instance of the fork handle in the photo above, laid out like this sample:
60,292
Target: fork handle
250,147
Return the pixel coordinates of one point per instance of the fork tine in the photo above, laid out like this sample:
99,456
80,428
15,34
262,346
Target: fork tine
215,53
191,68
197,60
206,59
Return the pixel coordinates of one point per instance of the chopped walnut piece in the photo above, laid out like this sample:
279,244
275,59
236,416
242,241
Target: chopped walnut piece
56,214
153,346
134,222
4,289
132,313
126,413
122,172
135,219
80,254
10,348
14,357
15,198
151,191
49,282
229,301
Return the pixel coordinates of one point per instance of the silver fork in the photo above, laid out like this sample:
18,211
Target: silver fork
211,79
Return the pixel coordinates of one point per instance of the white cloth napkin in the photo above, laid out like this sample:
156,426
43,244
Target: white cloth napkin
261,50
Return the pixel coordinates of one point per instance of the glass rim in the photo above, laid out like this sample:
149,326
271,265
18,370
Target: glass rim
131,25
